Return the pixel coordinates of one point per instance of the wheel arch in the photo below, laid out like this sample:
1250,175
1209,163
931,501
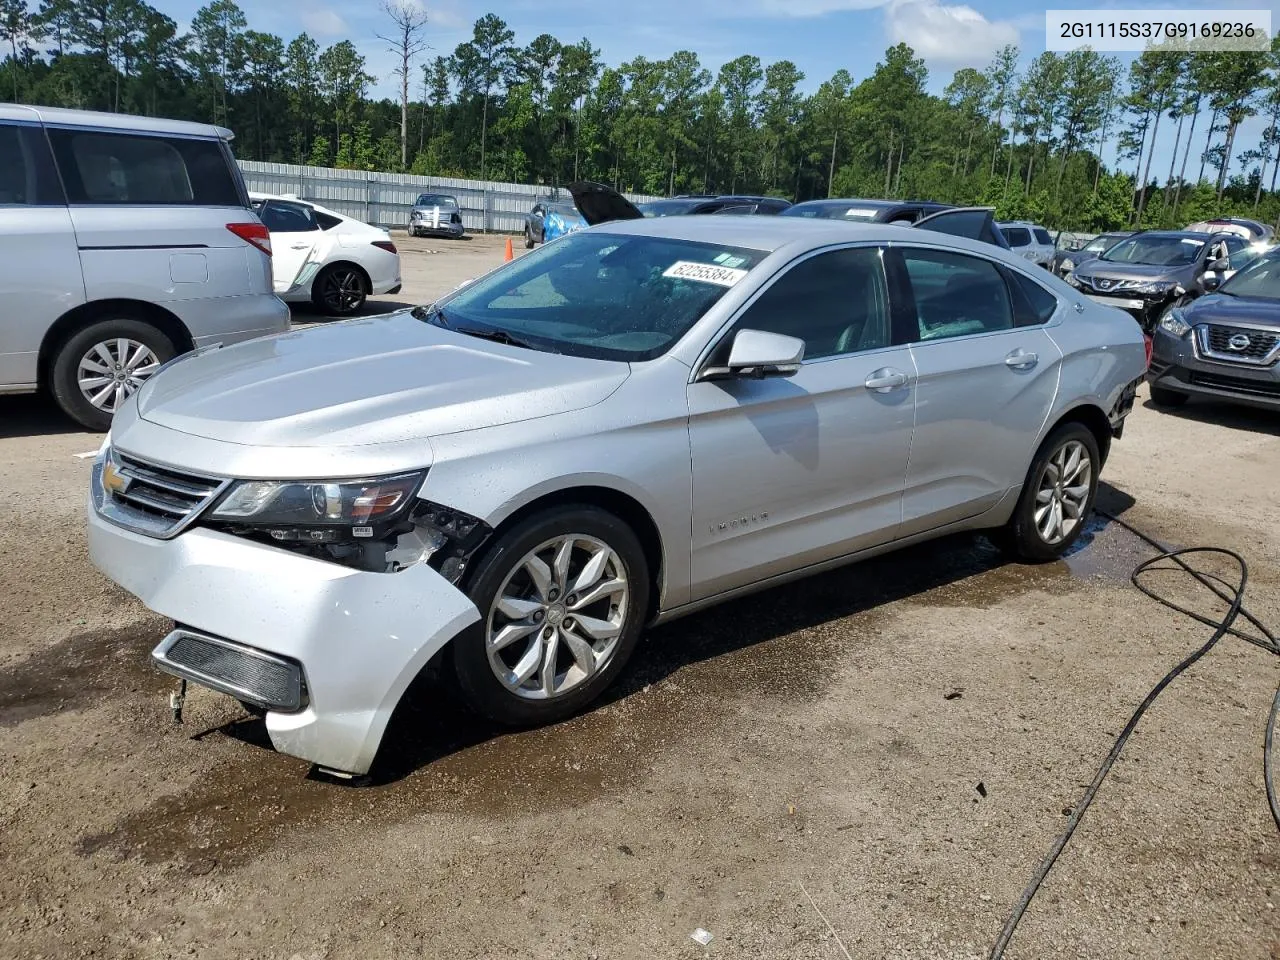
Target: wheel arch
343,262
622,505
78,318
1093,418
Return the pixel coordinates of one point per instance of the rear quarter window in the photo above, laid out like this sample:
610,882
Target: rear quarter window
1017,236
126,168
1042,236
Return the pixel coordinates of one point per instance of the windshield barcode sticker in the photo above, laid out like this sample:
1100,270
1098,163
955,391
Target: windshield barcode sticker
704,273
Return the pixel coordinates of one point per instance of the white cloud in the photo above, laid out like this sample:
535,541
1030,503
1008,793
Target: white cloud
952,34
324,22
803,8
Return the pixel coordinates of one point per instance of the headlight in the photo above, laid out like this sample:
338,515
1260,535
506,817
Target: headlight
1175,323
319,511
1158,287
1068,264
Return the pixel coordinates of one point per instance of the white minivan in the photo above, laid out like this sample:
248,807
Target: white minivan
124,241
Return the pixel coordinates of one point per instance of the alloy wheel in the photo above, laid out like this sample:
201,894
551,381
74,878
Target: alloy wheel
558,617
110,371
343,290
1063,492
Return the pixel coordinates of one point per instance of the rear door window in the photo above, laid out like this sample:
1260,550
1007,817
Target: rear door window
1017,236
126,168
956,295
27,177
1042,236
280,217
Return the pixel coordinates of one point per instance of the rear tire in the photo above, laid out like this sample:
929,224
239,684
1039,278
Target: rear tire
587,617
1163,397
528,238
101,366
1057,497
340,290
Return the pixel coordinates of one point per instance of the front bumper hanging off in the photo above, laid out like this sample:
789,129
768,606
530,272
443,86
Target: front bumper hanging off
325,649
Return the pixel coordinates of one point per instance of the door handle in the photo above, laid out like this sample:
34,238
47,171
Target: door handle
301,246
885,379
1021,360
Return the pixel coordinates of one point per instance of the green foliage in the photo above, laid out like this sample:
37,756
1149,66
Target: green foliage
1027,142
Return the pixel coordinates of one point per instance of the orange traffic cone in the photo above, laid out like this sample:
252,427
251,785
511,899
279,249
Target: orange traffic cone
510,255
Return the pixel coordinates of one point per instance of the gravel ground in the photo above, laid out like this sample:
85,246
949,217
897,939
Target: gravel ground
872,761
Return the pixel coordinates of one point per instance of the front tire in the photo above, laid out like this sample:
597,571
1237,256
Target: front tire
1163,397
528,238
1057,497
563,597
103,365
340,290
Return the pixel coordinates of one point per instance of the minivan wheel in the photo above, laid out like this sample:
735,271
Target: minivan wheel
339,290
1163,397
100,367
1057,498
562,596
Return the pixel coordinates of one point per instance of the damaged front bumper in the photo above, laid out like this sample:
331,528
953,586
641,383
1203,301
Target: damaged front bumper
356,639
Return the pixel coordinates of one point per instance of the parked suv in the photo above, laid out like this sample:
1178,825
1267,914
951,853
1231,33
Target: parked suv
1029,241
1154,270
1224,346
629,424
125,241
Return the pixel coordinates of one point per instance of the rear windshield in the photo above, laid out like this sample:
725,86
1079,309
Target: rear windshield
600,295
668,208
436,200
127,168
832,211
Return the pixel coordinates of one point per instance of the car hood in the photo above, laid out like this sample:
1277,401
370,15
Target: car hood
601,204
368,381
1131,271
1220,308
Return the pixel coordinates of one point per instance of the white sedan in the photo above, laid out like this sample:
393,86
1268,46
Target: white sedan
336,262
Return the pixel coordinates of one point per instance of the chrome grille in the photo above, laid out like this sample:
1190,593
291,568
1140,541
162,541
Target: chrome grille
246,673
153,500
1239,344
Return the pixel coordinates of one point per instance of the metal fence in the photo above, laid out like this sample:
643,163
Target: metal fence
385,199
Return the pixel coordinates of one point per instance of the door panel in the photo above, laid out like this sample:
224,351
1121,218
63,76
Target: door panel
984,386
294,232
791,472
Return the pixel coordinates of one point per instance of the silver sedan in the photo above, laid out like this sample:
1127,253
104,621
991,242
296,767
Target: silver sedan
631,423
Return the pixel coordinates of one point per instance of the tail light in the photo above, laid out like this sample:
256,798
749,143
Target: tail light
386,245
1146,341
253,233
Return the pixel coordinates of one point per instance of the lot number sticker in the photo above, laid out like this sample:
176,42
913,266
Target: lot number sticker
704,273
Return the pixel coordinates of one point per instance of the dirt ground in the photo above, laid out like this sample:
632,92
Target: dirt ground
880,755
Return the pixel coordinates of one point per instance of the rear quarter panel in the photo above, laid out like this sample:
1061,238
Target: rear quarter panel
1103,351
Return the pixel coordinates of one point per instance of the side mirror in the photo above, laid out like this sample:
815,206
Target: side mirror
1215,266
1211,281
756,354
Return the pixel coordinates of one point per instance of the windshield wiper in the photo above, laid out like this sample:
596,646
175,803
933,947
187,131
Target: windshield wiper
497,336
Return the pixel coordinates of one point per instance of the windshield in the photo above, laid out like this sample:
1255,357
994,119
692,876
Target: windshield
668,208
601,295
832,211
436,200
1260,279
1098,244
1155,250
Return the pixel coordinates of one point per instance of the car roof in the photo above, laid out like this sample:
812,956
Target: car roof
253,195
59,116
1181,234
769,234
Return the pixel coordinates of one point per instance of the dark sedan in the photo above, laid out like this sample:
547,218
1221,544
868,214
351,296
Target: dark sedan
903,212
1225,345
728,204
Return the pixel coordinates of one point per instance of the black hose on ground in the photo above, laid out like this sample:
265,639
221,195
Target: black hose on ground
1233,596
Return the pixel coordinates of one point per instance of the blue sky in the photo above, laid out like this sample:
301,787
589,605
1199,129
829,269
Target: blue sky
820,36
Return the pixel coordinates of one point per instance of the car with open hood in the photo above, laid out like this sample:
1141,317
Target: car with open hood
624,426
1151,271
1225,345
